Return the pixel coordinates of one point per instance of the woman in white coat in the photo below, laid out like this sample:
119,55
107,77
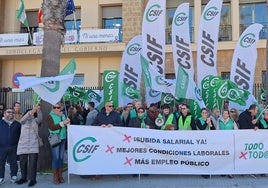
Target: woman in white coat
28,146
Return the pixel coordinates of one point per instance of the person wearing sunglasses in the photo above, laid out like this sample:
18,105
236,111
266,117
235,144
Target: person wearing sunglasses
107,117
9,138
57,123
141,121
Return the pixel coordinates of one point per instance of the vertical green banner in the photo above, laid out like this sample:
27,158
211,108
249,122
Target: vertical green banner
110,86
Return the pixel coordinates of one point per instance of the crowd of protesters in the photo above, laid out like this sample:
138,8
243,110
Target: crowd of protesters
19,139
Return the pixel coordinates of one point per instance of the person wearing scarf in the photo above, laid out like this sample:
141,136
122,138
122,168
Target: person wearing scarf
141,121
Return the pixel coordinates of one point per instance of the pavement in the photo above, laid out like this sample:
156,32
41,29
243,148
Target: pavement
151,181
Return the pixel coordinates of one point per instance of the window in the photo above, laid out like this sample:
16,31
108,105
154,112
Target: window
73,21
112,19
170,14
225,30
78,80
225,75
253,13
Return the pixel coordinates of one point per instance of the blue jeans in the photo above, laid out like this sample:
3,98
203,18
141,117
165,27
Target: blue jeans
57,154
11,154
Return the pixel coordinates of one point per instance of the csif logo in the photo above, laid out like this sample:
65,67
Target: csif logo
52,86
160,80
153,93
153,13
198,94
110,77
247,40
83,149
211,13
167,99
133,49
180,18
130,92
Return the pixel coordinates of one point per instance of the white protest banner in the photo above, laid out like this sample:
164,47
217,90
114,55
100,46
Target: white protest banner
120,150
14,39
99,35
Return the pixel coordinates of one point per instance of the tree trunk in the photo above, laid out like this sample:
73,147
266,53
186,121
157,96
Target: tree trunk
266,74
54,30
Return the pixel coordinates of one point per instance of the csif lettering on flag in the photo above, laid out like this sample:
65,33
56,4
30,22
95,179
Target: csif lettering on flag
21,14
182,53
244,62
50,89
186,88
130,72
110,86
207,43
154,41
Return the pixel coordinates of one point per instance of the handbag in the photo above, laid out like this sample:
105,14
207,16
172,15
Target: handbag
40,140
54,139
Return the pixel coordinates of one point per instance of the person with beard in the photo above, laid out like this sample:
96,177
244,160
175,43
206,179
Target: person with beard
247,119
9,138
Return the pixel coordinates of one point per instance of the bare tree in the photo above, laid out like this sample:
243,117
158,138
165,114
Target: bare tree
54,31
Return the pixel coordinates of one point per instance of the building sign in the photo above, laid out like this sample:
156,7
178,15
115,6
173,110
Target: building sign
14,39
99,35
70,37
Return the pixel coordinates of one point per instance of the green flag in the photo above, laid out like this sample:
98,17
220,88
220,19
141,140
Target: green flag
92,95
130,92
228,90
21,14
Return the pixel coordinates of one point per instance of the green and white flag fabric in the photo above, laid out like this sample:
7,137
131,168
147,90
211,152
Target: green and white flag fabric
167,98
91,95
207,43
209,91
154,80
74,94
154,41
244,62
21,14
182,53
262,95
187,88
130,72
50,89
228,90
110,86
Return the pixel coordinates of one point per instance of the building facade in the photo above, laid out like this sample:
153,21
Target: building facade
93,58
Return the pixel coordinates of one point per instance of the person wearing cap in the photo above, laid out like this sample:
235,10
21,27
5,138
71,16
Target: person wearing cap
9,138
168,117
